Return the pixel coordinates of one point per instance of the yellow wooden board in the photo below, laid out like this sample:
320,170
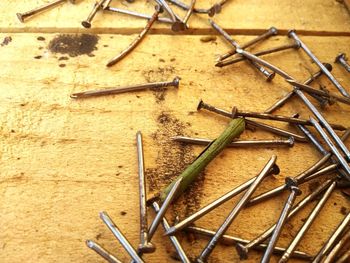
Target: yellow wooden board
239,16
64,160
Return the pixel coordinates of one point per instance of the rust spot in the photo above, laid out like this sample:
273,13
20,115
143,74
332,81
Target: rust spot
38,57
6,41
74,44
62,65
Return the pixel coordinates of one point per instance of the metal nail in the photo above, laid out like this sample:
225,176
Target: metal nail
24,16
156,85
238,143
180,251
216,8
235,211
337,248
341,59
293,35
121,238
295,191
326,248
290,94
269,76
186,7
102,252
138,39
250,123
182,24
231,240
168,200
216,203
323,121
322,93
334,150
97,6
312,216
144,246
244,249
167,8
260,53
272,31
136,14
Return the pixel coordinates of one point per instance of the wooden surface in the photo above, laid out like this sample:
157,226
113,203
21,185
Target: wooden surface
64,160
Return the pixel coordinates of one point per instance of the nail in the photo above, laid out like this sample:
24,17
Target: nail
168,200
244,249
106,4
144,246
186,7
269,76
295,191
216,203
293,35
137,40
272,31
155,85
337,248
310,219
344,258
121,238
24,16
216,8
260,53
182,24
263,126
102,252
334,150
290,94
323,93
180,251
167,8
238,143
241,203
97,6
326,248
323,121
231,240
136,14
341,59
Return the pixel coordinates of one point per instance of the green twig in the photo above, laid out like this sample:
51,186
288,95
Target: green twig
233,130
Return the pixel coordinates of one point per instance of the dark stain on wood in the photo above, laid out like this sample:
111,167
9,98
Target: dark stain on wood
74,44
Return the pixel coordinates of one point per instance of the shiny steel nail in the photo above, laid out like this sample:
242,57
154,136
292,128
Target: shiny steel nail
295,191
238,143
244,249
144,246
290,94
136,14
216,8
310,219
24,16
170,197
180,251
216,203
250,123
155,85
102,252
332,240
260,53
238,207
167,8
293,35
341,59
272,31
231,240
334,150
137,40
269,76
121,238
97,6
186,7
322,93
337,248
182,24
